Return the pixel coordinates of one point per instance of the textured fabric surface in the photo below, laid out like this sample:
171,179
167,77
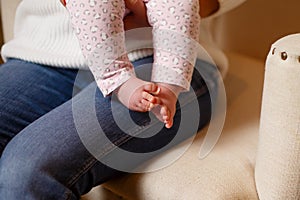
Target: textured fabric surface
38,26
228,171
100,31
34,47
278,160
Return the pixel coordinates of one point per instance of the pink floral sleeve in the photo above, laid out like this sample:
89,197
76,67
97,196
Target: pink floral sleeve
100,31
99,28
175,35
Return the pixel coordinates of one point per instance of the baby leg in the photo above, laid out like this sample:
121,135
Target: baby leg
136,94
175,35
166,109
100,30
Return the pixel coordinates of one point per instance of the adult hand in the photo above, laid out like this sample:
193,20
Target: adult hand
63,2
208,7
137,17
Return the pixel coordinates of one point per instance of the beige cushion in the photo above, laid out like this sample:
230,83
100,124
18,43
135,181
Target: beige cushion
228,171
278,161
100,193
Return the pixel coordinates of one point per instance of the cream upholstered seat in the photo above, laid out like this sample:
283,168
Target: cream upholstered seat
228,171
278,157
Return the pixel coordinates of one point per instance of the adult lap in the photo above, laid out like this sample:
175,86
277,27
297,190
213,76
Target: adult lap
28,91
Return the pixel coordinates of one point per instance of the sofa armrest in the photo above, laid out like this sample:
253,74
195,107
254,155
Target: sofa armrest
277,168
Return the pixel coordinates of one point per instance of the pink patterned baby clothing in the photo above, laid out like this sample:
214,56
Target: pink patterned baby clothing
99,28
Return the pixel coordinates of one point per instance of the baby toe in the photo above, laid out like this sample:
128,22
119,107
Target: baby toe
147,96
152,88
165,113
146,105
169,123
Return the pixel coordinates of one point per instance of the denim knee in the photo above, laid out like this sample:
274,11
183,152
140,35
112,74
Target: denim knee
22,177
16,174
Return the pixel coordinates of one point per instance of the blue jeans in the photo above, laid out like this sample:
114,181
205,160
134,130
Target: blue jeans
42,154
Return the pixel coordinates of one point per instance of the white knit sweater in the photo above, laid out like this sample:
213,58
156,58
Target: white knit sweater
43,34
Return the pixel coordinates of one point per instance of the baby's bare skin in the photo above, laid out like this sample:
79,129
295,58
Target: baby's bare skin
167,98
143,96
138,95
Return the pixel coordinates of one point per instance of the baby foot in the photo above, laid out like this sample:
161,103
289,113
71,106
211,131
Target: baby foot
136,94
167,115
167,99
164,114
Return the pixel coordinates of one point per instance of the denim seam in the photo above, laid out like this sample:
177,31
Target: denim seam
88,164
107,149
110,147
67,195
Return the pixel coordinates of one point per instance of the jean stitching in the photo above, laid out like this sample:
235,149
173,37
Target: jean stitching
66,195
73,178
110,147
106,150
